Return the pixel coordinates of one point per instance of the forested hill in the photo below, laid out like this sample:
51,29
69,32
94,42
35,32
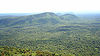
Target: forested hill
37,19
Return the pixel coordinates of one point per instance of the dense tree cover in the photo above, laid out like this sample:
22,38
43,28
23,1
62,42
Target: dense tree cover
49,35
12,51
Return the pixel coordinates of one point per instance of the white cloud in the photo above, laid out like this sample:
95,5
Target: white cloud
20,6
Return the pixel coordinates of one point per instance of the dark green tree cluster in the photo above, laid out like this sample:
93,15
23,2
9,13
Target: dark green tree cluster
12,51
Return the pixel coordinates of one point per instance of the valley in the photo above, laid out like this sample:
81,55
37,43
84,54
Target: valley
57,35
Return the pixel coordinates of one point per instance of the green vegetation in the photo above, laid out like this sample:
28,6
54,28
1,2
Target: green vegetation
47,34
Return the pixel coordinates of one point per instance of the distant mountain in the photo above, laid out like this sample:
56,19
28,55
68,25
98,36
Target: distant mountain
89,15
45,14
69,17
15,14
37,19
63,13
44,18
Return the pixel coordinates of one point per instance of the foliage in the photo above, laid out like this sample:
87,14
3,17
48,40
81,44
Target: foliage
47,34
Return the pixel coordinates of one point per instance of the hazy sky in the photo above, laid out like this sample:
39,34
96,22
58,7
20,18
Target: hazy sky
27,6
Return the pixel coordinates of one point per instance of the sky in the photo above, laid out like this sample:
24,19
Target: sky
32,6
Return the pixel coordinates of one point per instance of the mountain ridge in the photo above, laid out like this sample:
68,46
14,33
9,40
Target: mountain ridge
36,19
